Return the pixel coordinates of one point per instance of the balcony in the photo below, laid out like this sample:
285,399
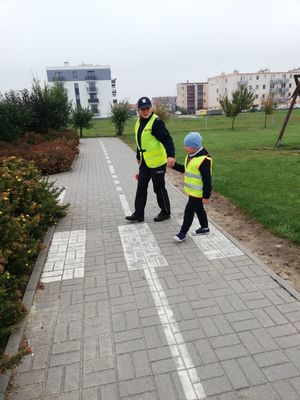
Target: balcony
92,89
93,101
275,81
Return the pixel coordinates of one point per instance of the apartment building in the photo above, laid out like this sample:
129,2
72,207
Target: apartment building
279,85
87,85
192,96
168,101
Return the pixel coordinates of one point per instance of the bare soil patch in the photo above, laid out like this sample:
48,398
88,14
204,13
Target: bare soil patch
281,255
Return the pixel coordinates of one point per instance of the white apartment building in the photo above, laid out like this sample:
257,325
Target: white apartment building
279,85
87,85
192,96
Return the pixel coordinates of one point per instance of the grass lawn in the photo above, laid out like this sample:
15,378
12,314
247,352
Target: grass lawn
262,180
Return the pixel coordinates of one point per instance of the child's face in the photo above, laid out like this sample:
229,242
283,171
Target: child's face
190,150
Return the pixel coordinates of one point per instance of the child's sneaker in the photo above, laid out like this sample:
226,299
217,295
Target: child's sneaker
201,231
180,237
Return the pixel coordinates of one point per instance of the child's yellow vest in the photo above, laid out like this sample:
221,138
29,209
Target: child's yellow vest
193,184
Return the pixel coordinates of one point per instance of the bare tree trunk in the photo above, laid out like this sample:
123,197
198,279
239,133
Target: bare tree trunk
232,125
265,120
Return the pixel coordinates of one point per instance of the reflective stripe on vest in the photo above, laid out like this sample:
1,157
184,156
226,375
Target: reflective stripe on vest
151,150
193,184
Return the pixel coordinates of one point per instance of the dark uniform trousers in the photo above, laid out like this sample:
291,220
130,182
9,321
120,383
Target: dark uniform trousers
158,179
194,205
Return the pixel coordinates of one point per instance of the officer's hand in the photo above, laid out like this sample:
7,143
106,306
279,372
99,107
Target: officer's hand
171,162
206,201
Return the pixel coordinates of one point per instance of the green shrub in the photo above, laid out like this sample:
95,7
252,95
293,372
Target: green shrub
28,206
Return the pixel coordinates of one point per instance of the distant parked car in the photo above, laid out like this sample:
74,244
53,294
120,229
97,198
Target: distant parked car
178,112
218,111
282,107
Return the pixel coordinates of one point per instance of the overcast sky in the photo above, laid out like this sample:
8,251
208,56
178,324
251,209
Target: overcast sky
150,45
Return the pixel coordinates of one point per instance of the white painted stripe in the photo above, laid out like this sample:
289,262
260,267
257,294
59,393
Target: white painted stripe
125,204
65,259
141,251
215,244
111,168
61,196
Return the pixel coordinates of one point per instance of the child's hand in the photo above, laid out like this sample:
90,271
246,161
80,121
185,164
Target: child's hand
170,162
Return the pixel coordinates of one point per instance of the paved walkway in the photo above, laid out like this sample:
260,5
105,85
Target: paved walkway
126,313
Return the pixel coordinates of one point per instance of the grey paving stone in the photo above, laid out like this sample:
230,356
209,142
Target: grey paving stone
136,386
72,377
235,374
252,371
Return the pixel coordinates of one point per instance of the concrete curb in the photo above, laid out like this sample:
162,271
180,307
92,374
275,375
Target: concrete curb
15,338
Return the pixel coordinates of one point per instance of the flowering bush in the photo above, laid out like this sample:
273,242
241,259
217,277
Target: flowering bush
52,153
28,206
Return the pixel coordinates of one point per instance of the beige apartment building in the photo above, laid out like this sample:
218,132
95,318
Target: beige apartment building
279,85
192,96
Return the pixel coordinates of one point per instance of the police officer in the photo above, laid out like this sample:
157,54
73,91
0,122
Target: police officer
155,151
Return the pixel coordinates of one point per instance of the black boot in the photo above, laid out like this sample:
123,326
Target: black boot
162,216
134,218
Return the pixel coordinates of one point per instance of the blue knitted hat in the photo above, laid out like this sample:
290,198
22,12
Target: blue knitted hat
193,139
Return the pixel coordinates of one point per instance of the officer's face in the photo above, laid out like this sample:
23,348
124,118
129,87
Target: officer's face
145,112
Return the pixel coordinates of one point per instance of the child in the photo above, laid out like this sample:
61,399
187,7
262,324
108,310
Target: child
197,184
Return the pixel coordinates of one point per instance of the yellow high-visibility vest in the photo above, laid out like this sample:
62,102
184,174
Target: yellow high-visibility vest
193,184
151,149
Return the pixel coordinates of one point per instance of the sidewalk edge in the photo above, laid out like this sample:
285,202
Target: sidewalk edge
15,338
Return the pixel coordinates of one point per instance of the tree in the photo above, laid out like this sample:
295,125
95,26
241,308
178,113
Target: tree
242,99
49,106
14,116
120,113
162,111
81,118
268,105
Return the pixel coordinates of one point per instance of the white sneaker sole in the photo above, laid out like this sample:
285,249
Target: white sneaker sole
200,234
178,240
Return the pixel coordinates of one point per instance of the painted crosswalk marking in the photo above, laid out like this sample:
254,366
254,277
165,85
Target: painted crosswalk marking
65,259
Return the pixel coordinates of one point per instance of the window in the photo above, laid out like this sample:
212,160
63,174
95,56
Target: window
290,85
58,76
92,87
91,75
256,96
257,87
263,96
76,88
75,74
264,86
250,87
94,108
257,77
